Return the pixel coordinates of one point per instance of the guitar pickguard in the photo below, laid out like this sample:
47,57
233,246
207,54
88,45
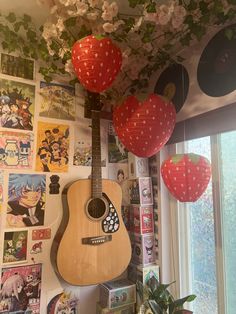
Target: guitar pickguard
111,223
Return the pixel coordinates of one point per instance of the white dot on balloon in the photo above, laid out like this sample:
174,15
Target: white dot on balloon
101,64
108,70
106,53
100,74
96,55
85,63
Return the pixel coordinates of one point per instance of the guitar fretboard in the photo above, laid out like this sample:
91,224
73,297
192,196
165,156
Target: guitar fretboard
96,177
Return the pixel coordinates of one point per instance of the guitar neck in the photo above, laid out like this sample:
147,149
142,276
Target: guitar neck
96,177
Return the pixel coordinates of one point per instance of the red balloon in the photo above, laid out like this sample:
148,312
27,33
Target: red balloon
144,127
186,176
96,61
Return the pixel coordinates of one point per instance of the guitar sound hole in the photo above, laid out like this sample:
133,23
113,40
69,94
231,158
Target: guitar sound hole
96,208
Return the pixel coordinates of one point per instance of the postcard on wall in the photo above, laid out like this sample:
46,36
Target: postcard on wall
58,101
16,150
21,289
17,102
26,200
17,66
15,246
52,147
116,150
63,303
83,144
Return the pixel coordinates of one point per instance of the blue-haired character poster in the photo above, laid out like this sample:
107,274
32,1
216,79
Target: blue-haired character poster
26,200
21,289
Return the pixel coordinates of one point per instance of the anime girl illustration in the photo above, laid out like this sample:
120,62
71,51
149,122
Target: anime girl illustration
20,289
13,288
26,200
15,246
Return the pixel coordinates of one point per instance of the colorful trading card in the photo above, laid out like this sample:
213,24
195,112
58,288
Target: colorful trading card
58,101
26,200
17,66
16,105
41,234
52,147
83,144
16,150
63,303
116,150
15,246
21,289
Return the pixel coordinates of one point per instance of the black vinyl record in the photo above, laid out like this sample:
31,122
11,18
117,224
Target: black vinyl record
173,84
216,73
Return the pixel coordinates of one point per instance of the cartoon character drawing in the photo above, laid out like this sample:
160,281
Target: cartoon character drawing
26,200
24,153
13,288
12,153
2,154
36,248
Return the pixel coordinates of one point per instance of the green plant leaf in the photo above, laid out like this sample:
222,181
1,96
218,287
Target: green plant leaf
27,19
155,307
70,22
11,17
151,7
178,304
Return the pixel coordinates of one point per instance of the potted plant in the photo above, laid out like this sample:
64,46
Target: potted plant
156,299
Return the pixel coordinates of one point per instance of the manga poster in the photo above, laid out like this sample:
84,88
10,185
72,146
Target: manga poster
17,66
16,150
16,105
83,144
58,101
21,289
63,303
26,200
52,147
119,172
116,150
15,246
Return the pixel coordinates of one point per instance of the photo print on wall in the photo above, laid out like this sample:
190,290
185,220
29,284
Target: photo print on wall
58,101
26,200
17,66
116,150
1,190
15,246
21,289
52,147
15,150
16,105
83,144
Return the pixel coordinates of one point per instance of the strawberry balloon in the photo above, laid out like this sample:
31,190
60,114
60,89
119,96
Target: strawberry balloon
186,176
144,126
96,61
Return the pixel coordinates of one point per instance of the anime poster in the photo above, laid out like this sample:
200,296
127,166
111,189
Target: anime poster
63,303
16,150
83,144
17,66
21,289
52,147
26,200
119,172
58,101
16,105
116,150
15,246
1,190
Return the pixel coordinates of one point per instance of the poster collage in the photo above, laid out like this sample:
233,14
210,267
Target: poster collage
35,125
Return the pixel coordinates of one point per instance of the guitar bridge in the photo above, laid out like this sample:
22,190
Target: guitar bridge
96,240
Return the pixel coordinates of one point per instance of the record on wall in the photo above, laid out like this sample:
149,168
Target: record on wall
216,73
173,83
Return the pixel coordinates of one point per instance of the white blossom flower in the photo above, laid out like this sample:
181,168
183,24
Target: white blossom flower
69,67
179,14
54,9
137,24
92,16
94,3
68,2
49,30
82,8
109,11
164,14
109,27
60,25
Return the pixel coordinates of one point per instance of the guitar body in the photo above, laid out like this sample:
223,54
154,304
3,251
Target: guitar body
90,250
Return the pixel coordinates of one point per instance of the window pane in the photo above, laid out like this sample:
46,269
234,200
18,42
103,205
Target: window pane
228,190
202,241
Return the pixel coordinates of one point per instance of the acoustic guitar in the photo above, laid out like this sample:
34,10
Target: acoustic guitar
92,244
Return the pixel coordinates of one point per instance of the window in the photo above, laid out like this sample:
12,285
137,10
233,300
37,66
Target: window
208,226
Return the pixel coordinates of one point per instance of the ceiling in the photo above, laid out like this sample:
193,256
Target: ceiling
38,12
